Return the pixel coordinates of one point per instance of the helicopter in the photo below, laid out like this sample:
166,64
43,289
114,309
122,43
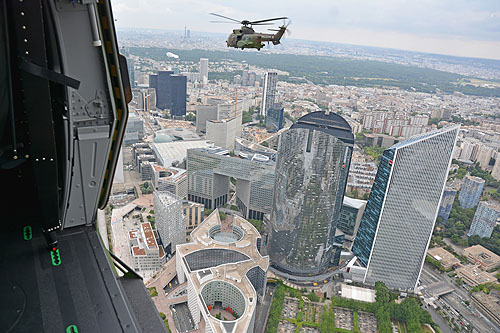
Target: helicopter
247,38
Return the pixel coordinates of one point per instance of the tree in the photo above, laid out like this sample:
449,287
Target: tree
382,295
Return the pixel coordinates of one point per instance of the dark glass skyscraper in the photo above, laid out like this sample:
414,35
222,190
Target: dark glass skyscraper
311,173
170,91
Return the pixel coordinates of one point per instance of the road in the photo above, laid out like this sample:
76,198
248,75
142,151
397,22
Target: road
182,318
263,310
453,304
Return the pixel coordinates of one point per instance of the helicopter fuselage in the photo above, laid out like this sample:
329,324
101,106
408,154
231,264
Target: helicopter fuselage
246,38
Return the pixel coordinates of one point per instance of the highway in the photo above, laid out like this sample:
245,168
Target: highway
454,303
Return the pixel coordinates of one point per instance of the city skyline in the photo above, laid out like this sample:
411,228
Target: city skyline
457,28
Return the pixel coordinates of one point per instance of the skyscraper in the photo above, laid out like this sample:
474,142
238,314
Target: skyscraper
170,91
310,180
274,119
485,219
170,221
399,218
449,195
471,190
268,92
204,70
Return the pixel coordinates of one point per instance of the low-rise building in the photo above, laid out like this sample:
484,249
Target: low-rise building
225,273
170,179
446,259
473,275
488,304
194,215
478,254
146,254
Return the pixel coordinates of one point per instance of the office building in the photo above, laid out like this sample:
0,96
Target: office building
145,252
268,92
173,180
474,276
485,219
311,174
350,217
194,213
204,113
209,173
447,200
222,132
274,119
479,255
204,70
225,273
170,92
170,222
399,217
495,172
134,130
471,190
445,258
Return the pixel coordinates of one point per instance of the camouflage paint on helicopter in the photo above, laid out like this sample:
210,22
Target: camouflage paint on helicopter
246,37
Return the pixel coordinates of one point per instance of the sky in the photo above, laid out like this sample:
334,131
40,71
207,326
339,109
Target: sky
469,28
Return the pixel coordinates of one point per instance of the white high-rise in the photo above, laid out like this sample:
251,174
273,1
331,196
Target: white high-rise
170,222
268,92
204,70
485,219
398,221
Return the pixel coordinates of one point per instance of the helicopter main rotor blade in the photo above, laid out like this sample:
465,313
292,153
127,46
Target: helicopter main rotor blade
222,22
227,18
267,20
261,23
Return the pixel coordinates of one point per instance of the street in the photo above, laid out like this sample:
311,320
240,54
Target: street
263,309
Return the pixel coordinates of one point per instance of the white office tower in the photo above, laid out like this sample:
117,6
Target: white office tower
170,221
268,92
204,70
399,218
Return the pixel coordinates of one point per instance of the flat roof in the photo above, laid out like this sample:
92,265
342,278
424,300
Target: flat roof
476,274
483,254
150,237
253,157
177,150
358,293
442,255
354,203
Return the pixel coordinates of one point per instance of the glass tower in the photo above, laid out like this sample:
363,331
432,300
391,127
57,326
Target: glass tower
399,218
471,190
310,180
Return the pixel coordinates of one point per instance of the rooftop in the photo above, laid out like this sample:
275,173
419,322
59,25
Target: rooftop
420,137
446,258
254,157
476,179
330,123
354,203
167,198
177,150
358,293
235,257
175,134
483,254
150,237
475,274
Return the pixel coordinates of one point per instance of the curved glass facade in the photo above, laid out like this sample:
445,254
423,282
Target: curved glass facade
213,257
311,173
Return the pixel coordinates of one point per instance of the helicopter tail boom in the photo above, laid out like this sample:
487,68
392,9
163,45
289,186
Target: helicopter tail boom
278,35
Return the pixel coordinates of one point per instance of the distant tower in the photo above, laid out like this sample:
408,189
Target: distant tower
170,91
399,218
485,219
311,174
447,200
471,190
268,92
204,70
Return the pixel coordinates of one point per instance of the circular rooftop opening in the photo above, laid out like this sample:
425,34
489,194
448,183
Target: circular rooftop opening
227,235
223,300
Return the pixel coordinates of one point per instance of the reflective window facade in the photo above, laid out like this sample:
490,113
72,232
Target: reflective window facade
366,233
408,211
310,179
213,257
471,190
